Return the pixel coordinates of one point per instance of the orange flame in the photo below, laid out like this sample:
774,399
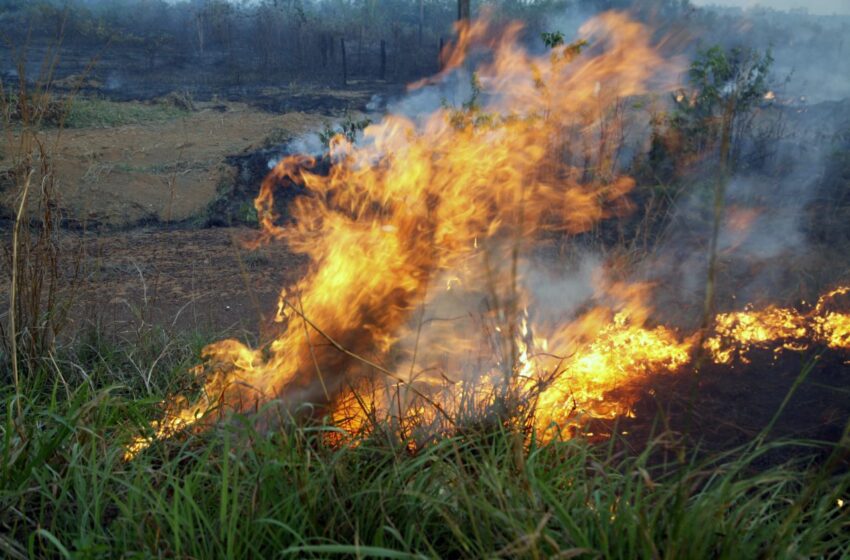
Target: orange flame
414,240
781,328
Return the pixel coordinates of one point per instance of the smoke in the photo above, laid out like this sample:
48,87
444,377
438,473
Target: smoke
766,253
308,144
453,90
811,52
560,288
820,7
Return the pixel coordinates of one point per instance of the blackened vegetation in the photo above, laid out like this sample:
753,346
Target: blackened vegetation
216,47
234,205
323,101
724,406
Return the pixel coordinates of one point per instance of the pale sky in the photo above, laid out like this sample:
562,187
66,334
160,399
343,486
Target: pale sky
814,6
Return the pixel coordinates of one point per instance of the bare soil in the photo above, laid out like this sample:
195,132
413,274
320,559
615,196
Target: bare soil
201,280
160,172
140,198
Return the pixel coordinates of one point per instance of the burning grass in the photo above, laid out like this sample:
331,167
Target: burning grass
456,197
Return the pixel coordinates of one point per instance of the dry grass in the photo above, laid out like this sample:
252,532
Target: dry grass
42,276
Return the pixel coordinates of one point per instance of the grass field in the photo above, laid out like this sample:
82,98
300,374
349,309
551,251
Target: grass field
231,492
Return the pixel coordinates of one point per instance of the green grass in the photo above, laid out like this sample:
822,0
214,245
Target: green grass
101,113
237,492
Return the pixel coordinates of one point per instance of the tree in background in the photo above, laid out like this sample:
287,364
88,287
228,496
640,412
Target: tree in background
725,87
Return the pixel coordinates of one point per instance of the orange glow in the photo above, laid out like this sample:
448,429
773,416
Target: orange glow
832,327
780,328
621,353
736,333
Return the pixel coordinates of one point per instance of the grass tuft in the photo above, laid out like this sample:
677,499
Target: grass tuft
285,492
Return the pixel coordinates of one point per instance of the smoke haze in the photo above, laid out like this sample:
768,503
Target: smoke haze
821,7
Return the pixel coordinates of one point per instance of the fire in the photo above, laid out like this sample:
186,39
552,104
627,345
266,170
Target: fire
621,354
414,306
591,366
832,327
781,328
753,328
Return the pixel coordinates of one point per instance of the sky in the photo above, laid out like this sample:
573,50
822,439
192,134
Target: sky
814,6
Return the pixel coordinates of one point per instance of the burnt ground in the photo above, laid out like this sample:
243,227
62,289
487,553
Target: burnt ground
721,407
184,279
122,73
